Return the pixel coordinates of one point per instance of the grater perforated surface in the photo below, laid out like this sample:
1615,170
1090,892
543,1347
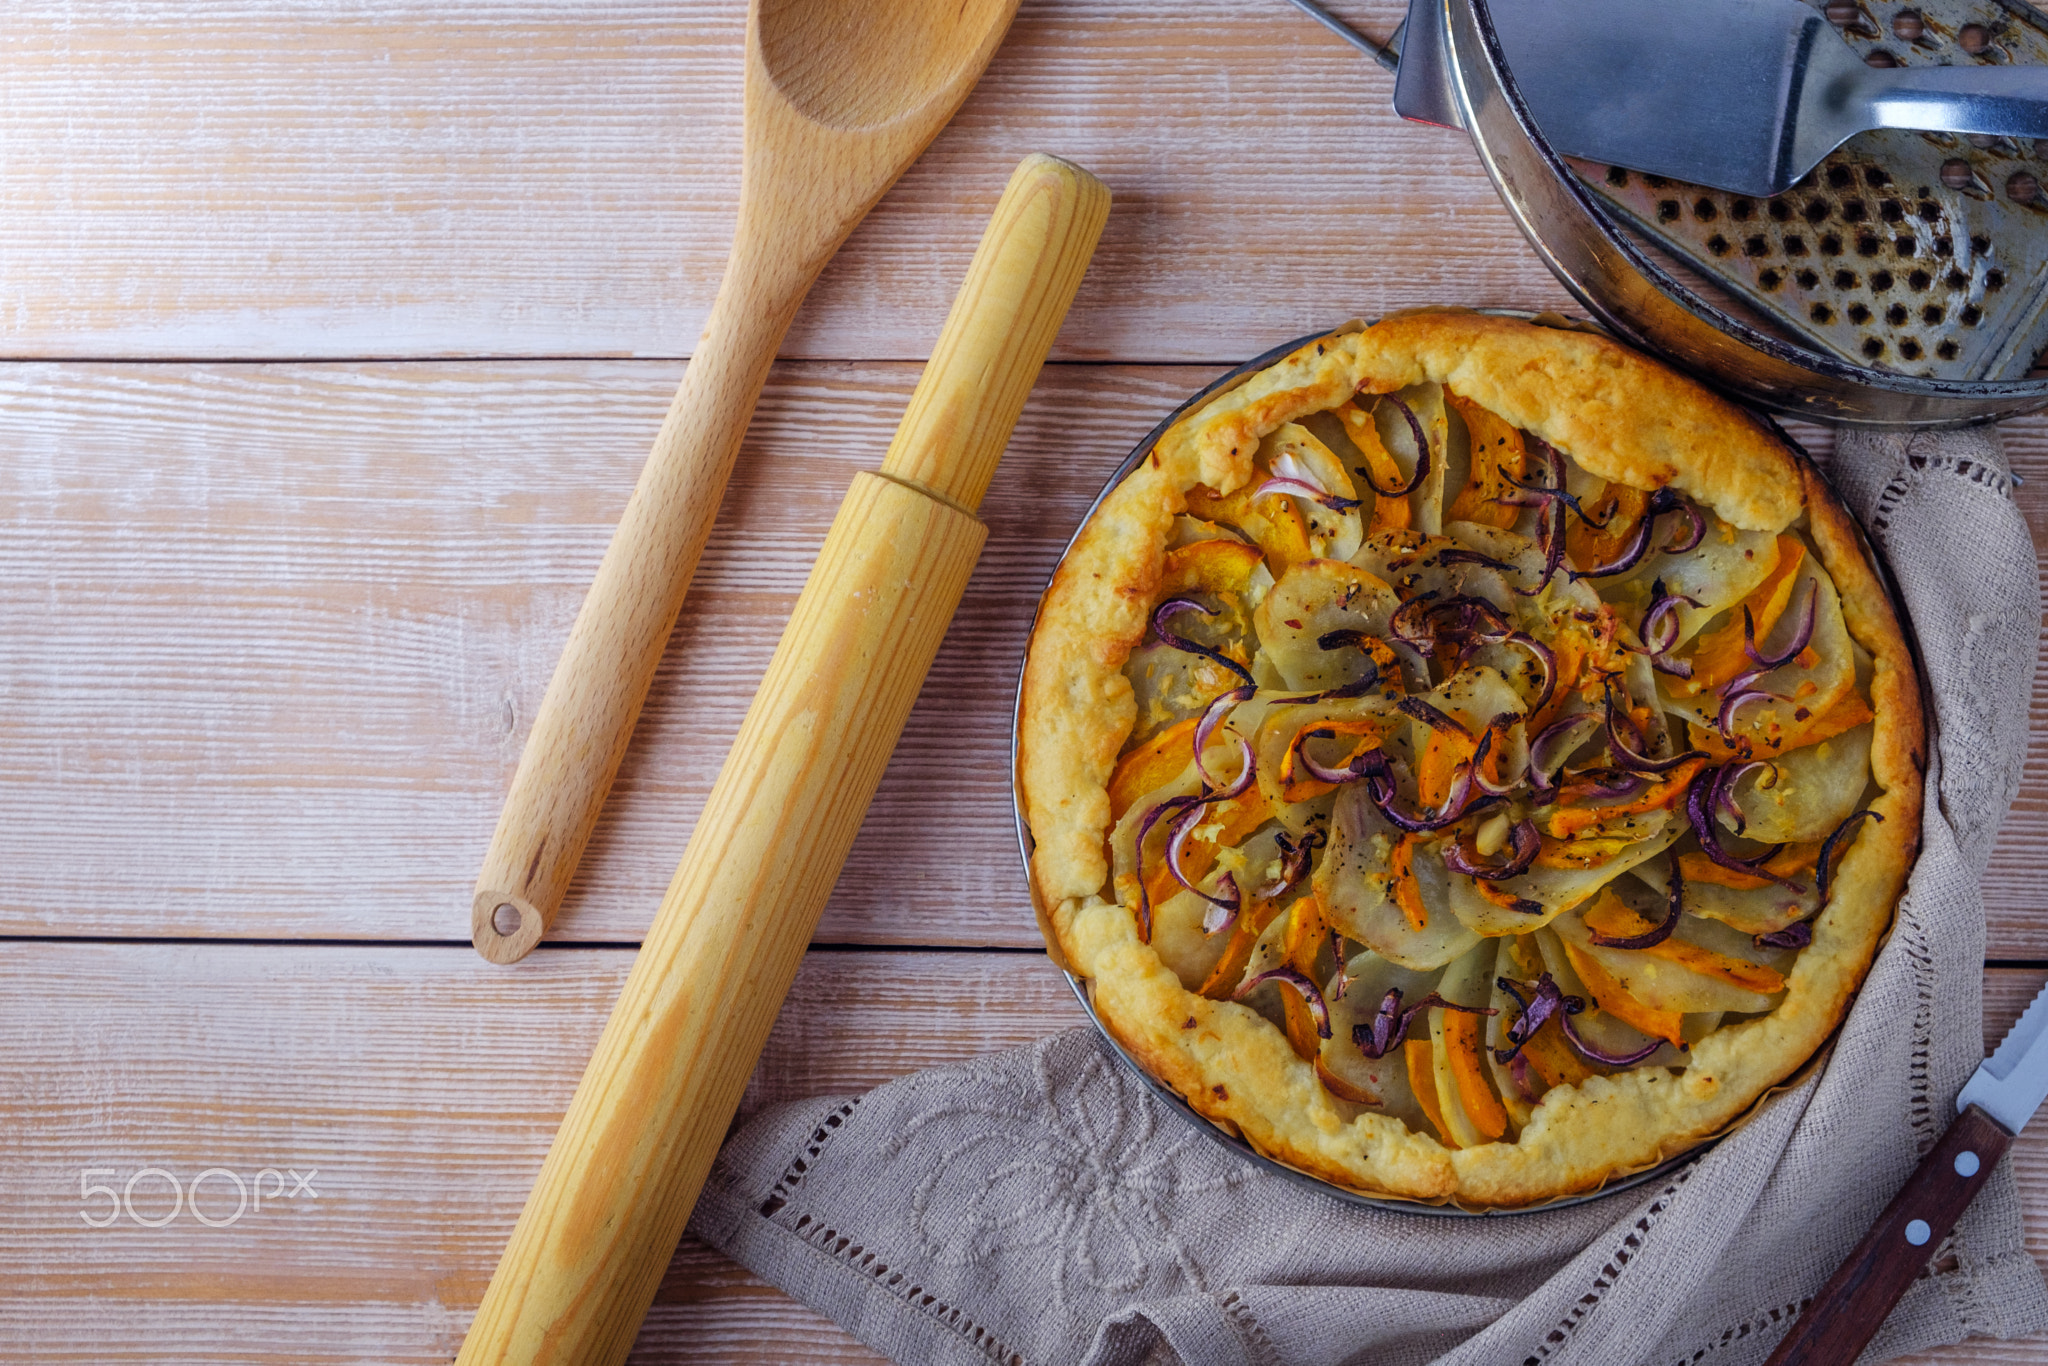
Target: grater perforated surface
1916,253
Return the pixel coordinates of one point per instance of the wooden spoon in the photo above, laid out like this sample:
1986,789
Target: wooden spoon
841,96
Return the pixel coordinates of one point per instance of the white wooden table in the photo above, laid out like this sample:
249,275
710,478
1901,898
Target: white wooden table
335,335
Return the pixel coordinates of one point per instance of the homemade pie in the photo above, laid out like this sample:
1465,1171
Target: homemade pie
1469,760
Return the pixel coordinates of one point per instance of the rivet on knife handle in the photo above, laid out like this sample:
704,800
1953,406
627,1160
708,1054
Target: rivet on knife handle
1841,1320
631,1155
831,120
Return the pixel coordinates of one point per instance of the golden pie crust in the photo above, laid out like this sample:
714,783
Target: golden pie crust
1616,416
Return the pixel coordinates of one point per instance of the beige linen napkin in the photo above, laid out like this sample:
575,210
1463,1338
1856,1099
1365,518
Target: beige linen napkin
1040,1206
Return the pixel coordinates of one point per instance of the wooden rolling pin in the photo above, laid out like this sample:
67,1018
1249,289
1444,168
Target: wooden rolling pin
618,1184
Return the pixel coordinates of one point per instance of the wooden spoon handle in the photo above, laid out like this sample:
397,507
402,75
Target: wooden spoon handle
601,680
633,1150
1846,1314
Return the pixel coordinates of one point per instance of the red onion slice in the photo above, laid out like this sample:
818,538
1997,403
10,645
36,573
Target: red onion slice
1628,758
1294,862
1390,1023
1173,806
1222,909
1674,906
1173,607
1724,790
1472,613
1297,979
1554,744
1550,539
1458,804
1662,612
1545,1001
1460,555
1365,763
1422,457
1632,552
1359,687
1696,533
1599,1055
1607,783
1824,874
1732,702
1487,785
1435,719
1796,936
1553,499
1664,501
1526,843
1545,657
1659,631
1802,635
1218,711
1221,915
1702,797
1303,488
1298,480
1411,625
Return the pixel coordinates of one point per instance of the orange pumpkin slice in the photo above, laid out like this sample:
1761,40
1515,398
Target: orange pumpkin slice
1498,456
1611,997
1220,567
1720,656
1387,513
1575,822
1297,784
1252,922
1611,918
1462,1042
1421,1060
1151,766
1791,862
1274,523
1618,508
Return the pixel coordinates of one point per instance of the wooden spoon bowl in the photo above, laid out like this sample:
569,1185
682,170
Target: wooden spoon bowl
853,64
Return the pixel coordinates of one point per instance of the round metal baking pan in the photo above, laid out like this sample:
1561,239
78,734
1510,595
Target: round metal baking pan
1171,1098
1630,292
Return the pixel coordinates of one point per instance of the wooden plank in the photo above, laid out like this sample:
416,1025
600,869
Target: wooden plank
265,178
273,635
2012,883
417,1089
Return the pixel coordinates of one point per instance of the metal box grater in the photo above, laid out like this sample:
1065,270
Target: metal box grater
1915,253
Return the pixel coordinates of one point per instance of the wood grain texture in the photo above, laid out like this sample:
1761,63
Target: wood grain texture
273,636
422,1086
277,179
838,102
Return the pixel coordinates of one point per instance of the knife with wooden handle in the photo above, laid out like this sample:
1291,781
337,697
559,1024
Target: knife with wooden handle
1995,1105
611,1199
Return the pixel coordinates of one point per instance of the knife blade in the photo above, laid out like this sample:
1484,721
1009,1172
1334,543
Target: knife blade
2011,1084
1994,1105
